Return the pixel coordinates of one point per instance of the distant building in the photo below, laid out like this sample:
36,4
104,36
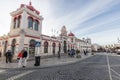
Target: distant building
95,47
26,32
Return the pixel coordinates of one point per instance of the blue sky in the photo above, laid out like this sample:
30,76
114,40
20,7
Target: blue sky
95,19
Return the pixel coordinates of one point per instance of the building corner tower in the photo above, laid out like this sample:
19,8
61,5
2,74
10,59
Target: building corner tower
25,29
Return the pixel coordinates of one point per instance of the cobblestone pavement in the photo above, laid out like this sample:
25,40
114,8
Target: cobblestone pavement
88,69
93,68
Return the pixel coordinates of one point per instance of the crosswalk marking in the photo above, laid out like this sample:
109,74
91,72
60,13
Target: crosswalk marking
115,72
20,75
109,68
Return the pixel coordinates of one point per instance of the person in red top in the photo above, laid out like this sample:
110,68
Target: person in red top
24,58
20,56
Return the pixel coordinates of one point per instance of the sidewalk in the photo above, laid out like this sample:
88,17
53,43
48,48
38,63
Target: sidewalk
48,62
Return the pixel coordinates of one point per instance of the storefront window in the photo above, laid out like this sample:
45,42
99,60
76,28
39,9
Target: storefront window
46,47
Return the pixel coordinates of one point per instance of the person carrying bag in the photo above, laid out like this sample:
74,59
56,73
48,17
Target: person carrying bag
20,57
24,58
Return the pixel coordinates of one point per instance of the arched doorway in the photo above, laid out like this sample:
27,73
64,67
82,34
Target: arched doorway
53,45
45,47
31,48
68,46
5,47
59,47
13,46
65,47
71,46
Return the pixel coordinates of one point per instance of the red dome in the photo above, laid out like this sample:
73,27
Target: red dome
71,34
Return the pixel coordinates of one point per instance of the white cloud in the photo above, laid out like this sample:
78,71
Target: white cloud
99,24
75,18
71,20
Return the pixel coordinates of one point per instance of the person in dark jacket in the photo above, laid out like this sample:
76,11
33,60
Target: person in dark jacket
58,54
8,56
0,54
25,54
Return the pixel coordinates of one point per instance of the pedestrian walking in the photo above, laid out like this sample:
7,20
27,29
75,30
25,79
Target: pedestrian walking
0,54
84,52
8,56
25,54
58,54
20,58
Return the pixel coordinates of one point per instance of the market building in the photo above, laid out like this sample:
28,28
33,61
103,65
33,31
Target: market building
26,32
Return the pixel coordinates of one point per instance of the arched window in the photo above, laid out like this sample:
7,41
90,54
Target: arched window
45,47
31,48
13,42
2,42
30,22
14,23
71,39
36,25
5,46
53,48
18,25
59,46
69,46
32,43
53,44
65,47
13,45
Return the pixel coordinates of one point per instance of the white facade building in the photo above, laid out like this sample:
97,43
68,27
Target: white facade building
26,31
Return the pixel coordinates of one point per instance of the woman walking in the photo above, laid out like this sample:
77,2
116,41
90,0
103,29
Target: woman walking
20,58
25,54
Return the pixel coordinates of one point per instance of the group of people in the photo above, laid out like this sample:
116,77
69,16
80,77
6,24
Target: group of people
22,57
71,52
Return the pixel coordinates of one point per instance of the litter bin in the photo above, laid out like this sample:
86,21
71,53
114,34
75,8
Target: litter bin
37,60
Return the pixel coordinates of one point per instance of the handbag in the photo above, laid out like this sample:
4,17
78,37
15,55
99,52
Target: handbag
18,58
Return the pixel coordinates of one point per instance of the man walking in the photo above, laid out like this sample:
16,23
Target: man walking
58,54
8,56
0,54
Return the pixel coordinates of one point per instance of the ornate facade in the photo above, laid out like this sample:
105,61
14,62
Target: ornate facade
26,30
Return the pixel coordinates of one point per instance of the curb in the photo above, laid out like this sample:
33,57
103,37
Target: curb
43,67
